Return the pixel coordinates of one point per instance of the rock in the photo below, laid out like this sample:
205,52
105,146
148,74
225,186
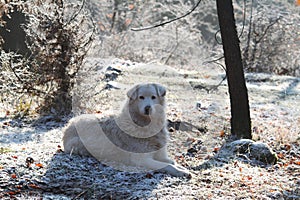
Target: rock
275,195
250,150
115,85
112,73
198,105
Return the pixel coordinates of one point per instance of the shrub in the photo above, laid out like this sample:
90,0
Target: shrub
59,34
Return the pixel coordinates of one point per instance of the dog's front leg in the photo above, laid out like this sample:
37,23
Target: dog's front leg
162,155
175,171
147,161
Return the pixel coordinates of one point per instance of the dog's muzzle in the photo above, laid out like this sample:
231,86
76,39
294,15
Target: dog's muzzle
148,110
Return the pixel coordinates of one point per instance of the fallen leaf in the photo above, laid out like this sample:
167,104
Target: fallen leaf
292,161
287,147
297,162
39,165
280,155
59,151
128,21
109,15
261,174
6,124
190,140
13,176
131,6
19,186
216,149
148,175
7,113
34,186
15,157
222,133
12,192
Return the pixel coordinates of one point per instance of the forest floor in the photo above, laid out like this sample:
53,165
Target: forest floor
34,166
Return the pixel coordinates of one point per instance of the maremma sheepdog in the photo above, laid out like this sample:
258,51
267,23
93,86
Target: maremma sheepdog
136,139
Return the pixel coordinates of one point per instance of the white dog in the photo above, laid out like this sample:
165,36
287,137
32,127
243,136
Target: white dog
137,137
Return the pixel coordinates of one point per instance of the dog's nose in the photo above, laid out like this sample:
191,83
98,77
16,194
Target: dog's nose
147,110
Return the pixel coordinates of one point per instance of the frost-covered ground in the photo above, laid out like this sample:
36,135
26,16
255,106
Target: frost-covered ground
33,165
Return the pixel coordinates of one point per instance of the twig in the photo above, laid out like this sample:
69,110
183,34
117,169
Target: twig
76,13
216,86
215,61
169,21
268,27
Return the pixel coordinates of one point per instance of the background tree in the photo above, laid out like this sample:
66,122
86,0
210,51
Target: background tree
240,114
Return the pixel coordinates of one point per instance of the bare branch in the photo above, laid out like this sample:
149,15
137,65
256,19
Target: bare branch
169,21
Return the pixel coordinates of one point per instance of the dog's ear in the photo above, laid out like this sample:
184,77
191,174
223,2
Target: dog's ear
133,92
161,90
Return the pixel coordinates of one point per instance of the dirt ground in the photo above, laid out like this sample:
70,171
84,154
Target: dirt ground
33,165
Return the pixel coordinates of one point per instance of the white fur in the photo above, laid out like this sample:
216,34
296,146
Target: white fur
137,137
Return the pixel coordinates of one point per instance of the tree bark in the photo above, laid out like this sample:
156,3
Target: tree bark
240,113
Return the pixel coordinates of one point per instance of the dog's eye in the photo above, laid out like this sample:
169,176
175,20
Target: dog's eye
153,97
141,97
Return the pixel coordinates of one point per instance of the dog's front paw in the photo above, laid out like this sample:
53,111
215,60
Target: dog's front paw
184,173
176,171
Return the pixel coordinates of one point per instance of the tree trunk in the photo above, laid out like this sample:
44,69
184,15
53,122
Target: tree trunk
240,114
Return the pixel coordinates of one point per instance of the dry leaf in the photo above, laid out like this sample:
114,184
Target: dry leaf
131,6
6,124
222,133
216,149
128,22
39,165
287,147
19,186
34,186
12,192
109,16
13,176
297,162
148,175
261,174
280,155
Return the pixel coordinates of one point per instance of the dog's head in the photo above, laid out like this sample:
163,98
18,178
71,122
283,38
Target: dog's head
146,98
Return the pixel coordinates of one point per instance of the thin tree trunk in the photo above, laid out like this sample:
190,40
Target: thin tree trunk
240,114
